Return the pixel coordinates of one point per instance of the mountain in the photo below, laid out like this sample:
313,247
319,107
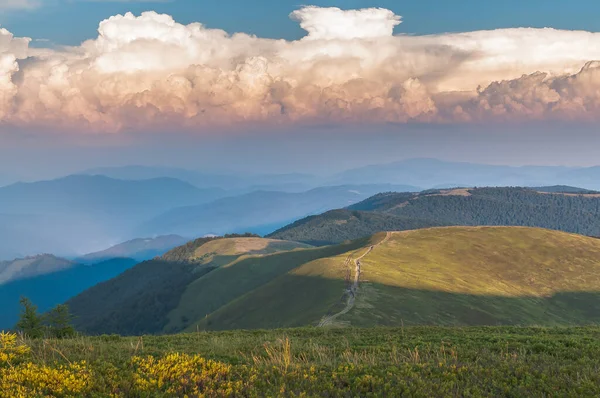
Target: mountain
234,183
434,173
258,212
85,213
140,300
50,289
441,276
29,267
577,213
137,249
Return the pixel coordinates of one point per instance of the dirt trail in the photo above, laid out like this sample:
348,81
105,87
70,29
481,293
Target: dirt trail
352,290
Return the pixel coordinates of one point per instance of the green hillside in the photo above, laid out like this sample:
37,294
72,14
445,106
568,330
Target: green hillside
563,211
337,226
435,276
139,300
441,276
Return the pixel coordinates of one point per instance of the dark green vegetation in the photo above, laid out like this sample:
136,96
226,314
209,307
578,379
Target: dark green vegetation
55,288
479,206
56,323
441,276
337,226
410,361
564,189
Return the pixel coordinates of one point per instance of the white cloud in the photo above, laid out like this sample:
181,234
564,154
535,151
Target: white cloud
148,70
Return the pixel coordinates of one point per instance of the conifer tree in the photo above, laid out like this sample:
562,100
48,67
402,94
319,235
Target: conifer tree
30,322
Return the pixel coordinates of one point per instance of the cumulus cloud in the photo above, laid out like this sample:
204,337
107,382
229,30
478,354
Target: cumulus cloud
143,72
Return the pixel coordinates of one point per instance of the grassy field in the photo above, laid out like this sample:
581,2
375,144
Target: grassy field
410,361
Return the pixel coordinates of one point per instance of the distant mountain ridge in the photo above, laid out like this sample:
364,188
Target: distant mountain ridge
81,213
138,249
435,173
259,212
32,266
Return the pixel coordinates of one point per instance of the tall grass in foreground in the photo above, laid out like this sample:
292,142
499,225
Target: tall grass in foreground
419,361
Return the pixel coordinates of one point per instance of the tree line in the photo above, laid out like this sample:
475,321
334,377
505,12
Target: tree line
56,323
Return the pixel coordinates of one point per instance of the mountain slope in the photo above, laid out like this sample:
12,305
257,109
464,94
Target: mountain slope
137,249
336,226
55,288
577,213
443,276
140,300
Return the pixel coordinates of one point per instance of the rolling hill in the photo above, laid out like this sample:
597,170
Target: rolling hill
570,212
140,300
438,276
443,276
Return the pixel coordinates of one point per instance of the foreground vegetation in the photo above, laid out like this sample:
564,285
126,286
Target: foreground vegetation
412,361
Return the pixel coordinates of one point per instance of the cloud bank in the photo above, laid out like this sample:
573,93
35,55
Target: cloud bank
147,72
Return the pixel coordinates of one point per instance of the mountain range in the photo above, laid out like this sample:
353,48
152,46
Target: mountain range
259,212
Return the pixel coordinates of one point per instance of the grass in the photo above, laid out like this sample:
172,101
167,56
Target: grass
409,361
233,282
440,276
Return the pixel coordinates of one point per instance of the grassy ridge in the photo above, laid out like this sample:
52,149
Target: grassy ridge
232,282
411,361
437,276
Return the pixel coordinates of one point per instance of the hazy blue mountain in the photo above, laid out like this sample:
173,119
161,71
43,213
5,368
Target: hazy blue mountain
55,288
433,173
29,267
235,183
79,214
138,249
261,211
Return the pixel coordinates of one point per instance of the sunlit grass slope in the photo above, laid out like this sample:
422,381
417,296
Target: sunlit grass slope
232,282
442,276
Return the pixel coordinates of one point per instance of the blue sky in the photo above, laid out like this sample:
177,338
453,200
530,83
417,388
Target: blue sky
72,21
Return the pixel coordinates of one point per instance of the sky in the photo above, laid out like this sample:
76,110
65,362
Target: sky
293,86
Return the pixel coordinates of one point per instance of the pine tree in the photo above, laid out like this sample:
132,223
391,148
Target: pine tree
58,322
30,322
